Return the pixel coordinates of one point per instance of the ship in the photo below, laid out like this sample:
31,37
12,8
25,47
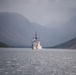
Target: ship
36,43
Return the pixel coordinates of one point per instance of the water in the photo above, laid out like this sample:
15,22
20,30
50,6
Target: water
21,61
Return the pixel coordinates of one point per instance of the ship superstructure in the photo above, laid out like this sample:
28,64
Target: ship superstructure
36,43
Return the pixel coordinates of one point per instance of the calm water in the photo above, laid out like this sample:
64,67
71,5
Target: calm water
21,61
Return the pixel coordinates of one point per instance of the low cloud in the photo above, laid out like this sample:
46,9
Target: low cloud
41,11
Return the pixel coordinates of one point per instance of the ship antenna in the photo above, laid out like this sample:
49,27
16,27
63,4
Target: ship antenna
36,36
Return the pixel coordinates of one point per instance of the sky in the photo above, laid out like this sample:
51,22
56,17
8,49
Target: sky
41,11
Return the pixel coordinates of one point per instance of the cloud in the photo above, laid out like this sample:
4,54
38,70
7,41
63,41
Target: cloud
41,11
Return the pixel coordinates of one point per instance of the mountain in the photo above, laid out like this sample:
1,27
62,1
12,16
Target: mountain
3,45
16,30
12,26
63,30
71,44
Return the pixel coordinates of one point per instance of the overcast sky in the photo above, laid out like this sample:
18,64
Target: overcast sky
41,11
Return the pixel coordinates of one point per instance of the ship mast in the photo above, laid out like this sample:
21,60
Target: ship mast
36,36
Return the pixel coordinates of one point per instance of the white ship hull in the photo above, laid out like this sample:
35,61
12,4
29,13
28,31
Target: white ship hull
36,45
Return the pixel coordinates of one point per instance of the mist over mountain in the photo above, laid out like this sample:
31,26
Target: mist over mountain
63,31
17,30
12,28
